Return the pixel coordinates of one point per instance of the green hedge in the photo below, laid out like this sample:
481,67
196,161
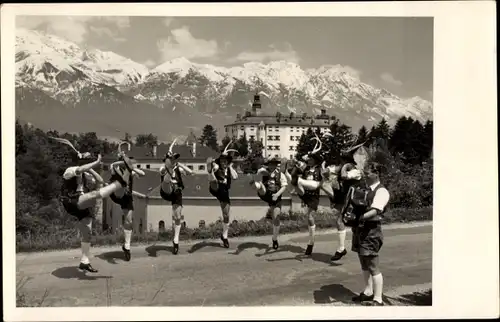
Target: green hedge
290,223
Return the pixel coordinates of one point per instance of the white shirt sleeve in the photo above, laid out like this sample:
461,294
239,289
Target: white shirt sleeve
70,173
182,171
381,199
163,170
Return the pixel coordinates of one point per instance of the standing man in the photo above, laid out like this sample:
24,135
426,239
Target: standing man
220,174
348,175
270,188
171,189
367,202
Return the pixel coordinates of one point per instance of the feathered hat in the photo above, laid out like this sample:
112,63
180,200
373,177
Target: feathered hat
358,154
170,154
225,154
84,155
272,160
316,151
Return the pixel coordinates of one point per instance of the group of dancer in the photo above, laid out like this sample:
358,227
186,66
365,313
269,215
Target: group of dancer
306,177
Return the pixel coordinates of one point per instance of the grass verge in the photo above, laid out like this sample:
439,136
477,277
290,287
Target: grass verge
290,223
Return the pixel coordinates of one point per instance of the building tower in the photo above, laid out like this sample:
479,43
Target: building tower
256,104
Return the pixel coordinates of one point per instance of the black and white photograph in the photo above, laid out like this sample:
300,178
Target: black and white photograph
224,161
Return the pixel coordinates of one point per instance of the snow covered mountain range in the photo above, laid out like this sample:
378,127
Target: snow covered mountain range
64,86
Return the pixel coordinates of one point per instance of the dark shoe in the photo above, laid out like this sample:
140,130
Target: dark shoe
175,250
372,303
362,298
225,241
338,255
87,267
275,244
127,253
309,250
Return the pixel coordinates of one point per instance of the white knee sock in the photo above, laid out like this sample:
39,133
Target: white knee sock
177,232
276,231
128,237
378,282
368,283
225,230
312,229
85,253
342,235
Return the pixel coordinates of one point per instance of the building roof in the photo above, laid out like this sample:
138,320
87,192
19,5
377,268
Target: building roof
284,120
197,186
143,184
185,151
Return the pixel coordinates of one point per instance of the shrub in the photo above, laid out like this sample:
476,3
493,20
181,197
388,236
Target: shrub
291,223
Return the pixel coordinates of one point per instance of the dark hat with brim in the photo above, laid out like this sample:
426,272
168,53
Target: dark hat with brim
174,156
227,157
316,156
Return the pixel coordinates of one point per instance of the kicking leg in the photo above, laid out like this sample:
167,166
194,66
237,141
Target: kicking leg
166,184
127,232
85,229
176,219
88,199
212,168
259,187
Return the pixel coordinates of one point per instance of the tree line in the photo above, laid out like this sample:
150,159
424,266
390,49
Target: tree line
404,149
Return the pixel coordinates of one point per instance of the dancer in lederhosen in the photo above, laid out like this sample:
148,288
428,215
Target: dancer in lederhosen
344,176
307,179
79,200
125,198
270,188
171,189
220,174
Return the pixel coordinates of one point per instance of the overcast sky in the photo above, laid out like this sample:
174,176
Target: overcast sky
391,53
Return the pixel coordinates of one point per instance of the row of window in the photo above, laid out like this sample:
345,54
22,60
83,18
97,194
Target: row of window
270,128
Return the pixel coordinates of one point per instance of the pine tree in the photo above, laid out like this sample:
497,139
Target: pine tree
362,135
341,139
417,143
380,134
400,135
242,145
149,140
225,142
306,144
254,159
428,138
209,137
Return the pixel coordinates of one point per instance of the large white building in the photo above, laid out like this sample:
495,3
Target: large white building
279,134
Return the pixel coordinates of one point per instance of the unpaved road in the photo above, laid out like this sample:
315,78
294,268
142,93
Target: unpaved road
205,274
